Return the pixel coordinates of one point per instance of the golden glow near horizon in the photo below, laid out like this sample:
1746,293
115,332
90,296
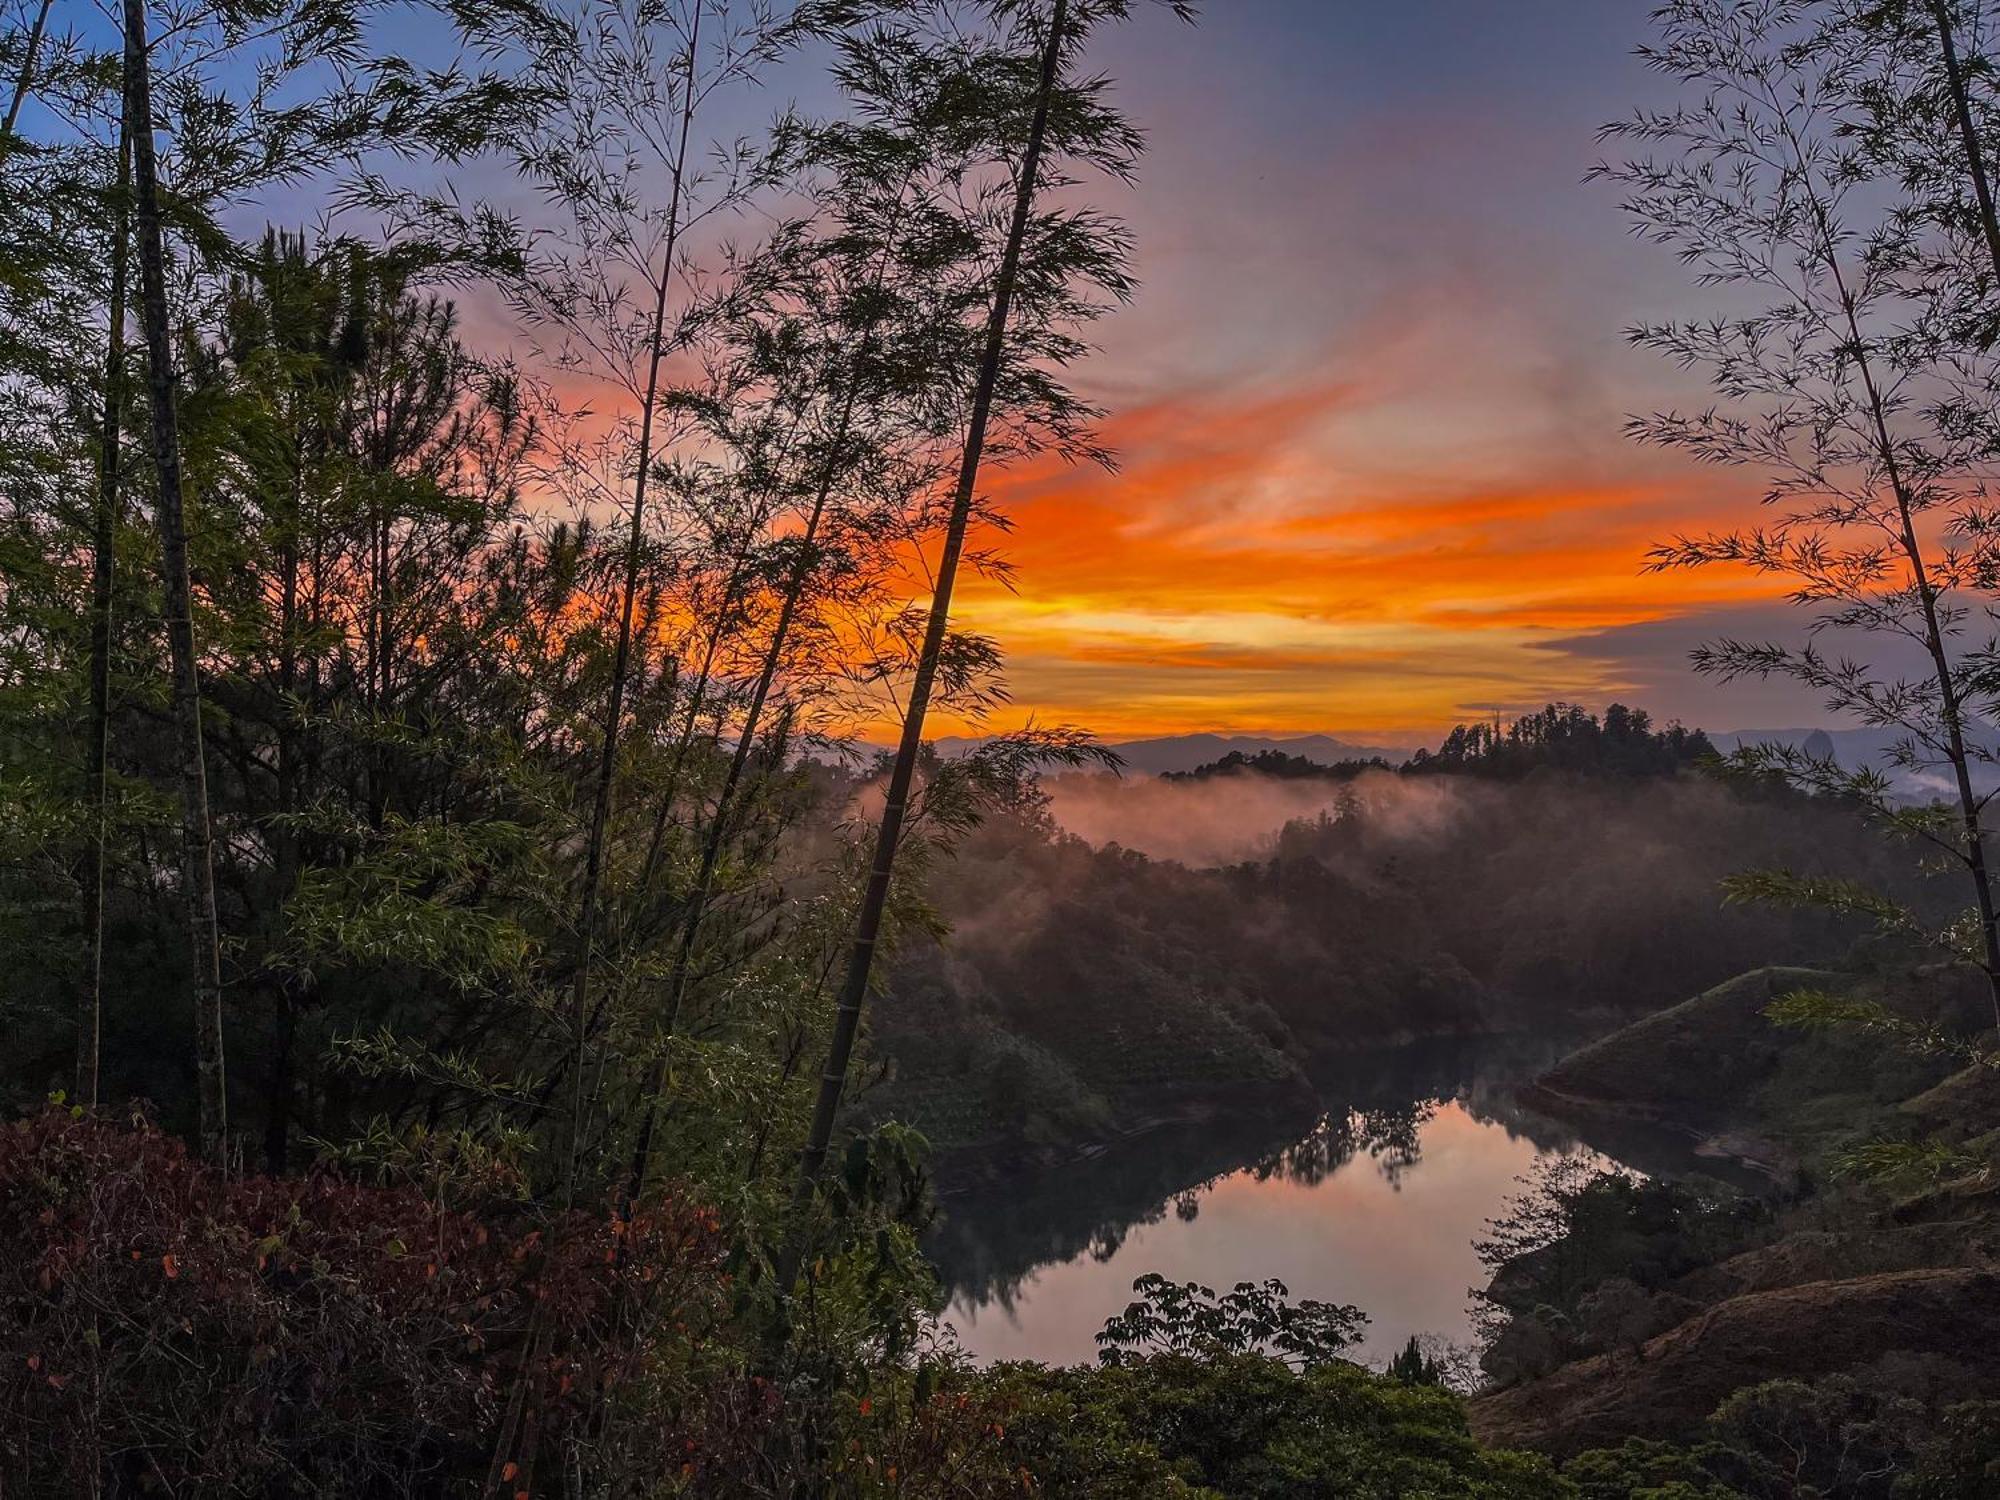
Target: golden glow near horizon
1230,576
1368,404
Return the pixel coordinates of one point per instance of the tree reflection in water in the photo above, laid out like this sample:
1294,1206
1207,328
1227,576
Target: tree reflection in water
1376,1202
1393,1137
1376,1105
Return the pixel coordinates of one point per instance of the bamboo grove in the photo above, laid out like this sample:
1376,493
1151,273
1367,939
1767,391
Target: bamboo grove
476,479
433,753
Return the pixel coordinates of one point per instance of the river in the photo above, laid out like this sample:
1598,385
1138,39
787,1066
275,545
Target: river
1378,1205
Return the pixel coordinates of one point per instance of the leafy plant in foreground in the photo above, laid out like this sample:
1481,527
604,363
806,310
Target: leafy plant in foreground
1187,1318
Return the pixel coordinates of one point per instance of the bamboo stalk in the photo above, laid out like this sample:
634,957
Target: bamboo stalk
103,578
875,896
197,834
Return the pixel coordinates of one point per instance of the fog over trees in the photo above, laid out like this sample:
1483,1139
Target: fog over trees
483,1017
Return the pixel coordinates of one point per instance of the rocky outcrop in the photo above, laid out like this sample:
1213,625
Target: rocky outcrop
1671,1384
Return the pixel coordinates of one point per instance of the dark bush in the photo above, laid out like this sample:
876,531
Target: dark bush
166,1328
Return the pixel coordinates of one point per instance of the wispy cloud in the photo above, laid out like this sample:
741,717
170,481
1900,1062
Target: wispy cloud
1240,571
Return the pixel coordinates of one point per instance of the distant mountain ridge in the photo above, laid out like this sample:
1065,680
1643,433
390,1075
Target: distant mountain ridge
1187,752
1850,746
1161,754
1858,749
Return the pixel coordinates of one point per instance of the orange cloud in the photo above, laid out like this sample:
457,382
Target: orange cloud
1236,573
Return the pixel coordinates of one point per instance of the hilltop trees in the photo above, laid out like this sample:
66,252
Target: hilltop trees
1564,737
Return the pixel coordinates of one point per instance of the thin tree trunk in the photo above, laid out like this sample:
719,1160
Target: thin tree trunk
281,1084
27,75
875,897
1950,699
1975,158
614,708
379,443
718,828
282,1080
511,1438
717,832
378,653
732,595
197,855
103,577
1969,813
1951,702
746,739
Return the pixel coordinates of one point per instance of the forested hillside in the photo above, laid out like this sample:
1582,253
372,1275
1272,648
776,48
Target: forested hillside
501,505
1557,878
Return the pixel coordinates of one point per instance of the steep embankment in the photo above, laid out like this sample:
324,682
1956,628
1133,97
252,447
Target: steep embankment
1670,1385
1718,1070
1842,1276
1694,1068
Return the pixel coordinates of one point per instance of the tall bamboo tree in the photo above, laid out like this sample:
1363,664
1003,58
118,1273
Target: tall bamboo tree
1968,132
833,335
626,128
197,868
614,704
1854,389
1055,32
30,52
103,580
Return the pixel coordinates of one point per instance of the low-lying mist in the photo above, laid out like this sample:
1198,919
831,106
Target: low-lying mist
1230,819
1127,944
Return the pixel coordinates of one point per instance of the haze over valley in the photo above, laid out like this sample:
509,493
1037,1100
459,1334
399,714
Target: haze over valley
976,749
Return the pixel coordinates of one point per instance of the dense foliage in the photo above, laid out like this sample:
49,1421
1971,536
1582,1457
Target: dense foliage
432,783
1565,737
168,1326
1087,988
1243,1425
1786,1439
1585,1259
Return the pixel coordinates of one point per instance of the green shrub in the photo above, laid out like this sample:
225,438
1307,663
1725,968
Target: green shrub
1248,1427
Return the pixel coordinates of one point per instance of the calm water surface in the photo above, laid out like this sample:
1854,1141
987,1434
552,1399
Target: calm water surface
1377,1206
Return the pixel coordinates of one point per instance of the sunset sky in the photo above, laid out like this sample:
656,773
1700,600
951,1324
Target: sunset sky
1369,400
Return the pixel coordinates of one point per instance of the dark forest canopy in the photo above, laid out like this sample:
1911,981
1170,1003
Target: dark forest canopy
1561,736
1565,737
459,1040
1279,764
